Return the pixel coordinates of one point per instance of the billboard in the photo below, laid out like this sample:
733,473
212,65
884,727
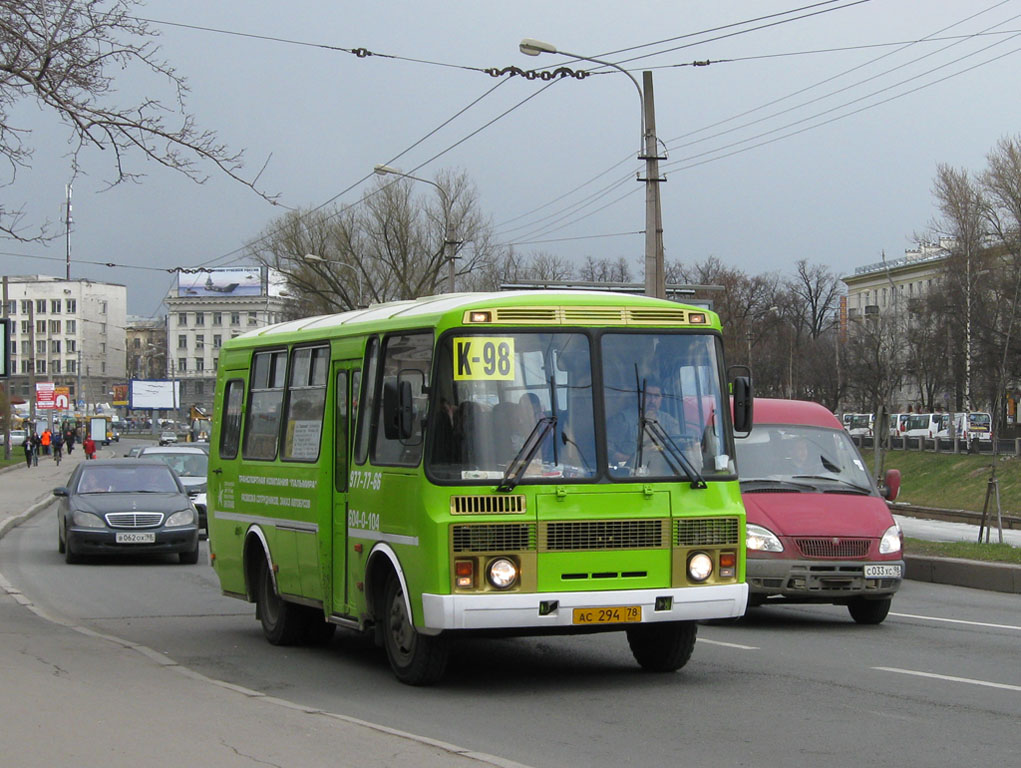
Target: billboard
154,393
120,394
226,281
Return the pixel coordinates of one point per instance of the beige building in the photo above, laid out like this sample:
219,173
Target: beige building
70,333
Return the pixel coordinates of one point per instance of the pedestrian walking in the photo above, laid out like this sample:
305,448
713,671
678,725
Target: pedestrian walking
69,440
36,445
28,452
89,446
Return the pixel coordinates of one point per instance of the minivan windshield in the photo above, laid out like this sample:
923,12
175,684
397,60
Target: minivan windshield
788,452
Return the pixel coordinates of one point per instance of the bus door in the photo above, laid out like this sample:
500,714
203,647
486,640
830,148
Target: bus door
346,376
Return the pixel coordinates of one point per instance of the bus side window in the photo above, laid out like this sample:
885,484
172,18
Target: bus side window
406,358
340,438
230,427
364,407
262,424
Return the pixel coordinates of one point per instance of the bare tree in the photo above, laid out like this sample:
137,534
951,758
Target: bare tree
391,245
64,55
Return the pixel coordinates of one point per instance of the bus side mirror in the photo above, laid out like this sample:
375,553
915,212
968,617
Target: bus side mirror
891,484
398,410
741,388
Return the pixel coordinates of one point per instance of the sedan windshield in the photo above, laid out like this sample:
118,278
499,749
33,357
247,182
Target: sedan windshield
137,479
184,464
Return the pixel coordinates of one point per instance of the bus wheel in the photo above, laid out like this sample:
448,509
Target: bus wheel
869,611
283,623
662,647
416,659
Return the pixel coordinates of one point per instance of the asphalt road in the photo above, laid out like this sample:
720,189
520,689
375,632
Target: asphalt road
938,684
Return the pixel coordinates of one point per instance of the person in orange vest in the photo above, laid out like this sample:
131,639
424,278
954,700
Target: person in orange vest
45,439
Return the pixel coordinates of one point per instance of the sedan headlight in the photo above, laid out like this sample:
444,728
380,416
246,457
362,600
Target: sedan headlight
761,539
87,520
892,540
184,517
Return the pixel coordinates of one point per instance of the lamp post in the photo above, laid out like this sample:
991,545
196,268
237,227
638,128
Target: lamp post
449,240
311,257
655,277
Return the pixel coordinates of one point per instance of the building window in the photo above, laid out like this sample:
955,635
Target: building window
40,347
40,366
71,326
54,366
40,306
200,318
40,326
200,365
26,327
14,349
72,345
54,326
71,305
235,318
24,366
55,306
218,318
102,347
55,346
200,341
182,341
102,367
253,319
102,307
182,319
12,307
71,366
26,306
200,388
217,340
136,343
182,365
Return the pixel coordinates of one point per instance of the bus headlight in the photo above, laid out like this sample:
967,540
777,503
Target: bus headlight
700,567
502,573
891,541
761,539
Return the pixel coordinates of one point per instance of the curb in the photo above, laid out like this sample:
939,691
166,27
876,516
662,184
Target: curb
994,577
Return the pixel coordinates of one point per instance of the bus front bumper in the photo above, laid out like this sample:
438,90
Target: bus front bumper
557,609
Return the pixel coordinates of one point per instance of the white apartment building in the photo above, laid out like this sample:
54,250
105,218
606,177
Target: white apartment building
68,332
871,289
206,309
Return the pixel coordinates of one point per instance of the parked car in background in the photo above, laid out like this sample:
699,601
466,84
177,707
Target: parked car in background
858,424
898,424
125,506
191,464
925,425
980,425
18,437
818,527
167,437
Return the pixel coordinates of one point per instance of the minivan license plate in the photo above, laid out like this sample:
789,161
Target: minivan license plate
882,571
148,537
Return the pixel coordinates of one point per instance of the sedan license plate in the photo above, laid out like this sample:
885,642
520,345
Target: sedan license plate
613,614
883,571
133,537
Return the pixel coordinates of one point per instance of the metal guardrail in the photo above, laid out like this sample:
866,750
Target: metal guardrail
945,445
1013,522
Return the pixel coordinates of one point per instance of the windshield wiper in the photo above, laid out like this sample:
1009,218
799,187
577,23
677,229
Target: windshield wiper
834,480
517,466
674,455
770,482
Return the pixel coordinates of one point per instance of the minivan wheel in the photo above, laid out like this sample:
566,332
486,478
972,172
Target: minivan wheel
865,611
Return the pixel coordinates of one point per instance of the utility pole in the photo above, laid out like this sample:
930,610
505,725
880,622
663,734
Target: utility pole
655,277
67,231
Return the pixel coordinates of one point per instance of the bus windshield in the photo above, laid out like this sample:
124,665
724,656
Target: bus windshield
660,392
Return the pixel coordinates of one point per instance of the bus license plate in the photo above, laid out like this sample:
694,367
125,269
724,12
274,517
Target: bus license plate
882,571
614,614
136,538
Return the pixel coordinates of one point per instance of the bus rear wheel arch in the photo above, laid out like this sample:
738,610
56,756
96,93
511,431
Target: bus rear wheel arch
284,622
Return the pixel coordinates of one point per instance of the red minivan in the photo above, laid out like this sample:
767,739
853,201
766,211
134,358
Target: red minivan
819,529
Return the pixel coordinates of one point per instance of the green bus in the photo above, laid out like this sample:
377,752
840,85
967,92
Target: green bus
522,463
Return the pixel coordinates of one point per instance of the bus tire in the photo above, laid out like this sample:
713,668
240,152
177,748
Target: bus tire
865,611
415,659
283,623
662,646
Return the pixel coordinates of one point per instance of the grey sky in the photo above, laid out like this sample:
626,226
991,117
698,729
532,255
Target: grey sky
837,194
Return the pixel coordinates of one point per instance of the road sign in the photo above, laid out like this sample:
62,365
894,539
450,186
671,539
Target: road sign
44,394
61,402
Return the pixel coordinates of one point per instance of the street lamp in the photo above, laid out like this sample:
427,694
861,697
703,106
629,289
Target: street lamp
315,259
655,278
449,240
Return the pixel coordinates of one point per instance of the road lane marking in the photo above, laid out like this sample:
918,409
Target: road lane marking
957,621
950,678
728,645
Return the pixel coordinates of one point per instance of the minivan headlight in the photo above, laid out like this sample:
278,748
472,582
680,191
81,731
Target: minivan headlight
892,540
761,539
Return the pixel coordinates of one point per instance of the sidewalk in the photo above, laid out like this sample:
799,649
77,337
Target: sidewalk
110,702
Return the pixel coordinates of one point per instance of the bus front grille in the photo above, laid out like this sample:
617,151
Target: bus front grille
833,547
487,505
706,532
603,535
495,537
